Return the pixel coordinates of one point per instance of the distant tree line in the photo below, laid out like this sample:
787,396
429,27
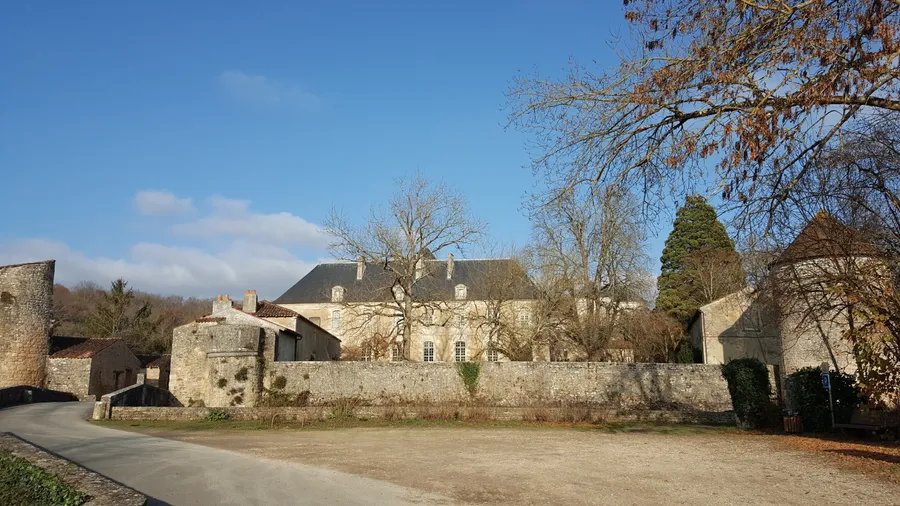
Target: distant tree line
143,320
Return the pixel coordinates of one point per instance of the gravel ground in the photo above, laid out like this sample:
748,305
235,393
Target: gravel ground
567,466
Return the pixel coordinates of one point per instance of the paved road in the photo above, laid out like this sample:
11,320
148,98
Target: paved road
174,472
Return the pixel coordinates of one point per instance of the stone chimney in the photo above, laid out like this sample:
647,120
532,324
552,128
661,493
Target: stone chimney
449,265
221,304
360,268
251,302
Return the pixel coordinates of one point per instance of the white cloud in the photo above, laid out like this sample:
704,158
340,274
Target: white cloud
261,90
171,269
233,218
161,203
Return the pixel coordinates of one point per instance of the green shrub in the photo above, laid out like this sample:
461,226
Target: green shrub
748,384
22,483
684,354
218,415
222,383
810,398
469,372
279,383
242,374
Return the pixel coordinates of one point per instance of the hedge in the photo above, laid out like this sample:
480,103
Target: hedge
810,398
748,384
22,483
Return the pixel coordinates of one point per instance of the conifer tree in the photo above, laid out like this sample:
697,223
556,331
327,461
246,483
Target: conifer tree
120,315
699,262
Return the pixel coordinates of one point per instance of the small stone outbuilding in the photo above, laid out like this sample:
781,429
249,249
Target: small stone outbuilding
222,359
90,368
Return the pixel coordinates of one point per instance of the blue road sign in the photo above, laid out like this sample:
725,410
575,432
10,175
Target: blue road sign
826,380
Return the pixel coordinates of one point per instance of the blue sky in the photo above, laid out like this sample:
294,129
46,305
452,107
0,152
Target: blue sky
194,149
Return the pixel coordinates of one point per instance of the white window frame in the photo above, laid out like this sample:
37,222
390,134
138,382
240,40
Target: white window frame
524,318
492,354
397,353
337,294
335,320
465,351
460,292
426,347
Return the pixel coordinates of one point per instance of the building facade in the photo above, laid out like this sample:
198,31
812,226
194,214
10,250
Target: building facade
457,307
792,322
222,359
90,368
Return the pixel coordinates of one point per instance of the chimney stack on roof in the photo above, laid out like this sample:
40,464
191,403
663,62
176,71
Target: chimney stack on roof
449,265
221,304
251,302
360,268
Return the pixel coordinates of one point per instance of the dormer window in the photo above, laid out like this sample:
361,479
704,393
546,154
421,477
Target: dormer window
461,292
337,294
398,292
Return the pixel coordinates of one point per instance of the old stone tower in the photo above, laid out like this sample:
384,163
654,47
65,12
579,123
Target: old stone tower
26,300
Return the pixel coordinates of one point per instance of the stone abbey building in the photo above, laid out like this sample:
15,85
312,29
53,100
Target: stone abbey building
455,303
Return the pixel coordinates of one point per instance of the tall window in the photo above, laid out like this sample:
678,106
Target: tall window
337,294
460,292
335,320
492,355
397,353
459,351
367,352
460,321
428,317
428,351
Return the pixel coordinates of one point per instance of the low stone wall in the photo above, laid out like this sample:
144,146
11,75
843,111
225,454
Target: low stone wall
102,490
613,386
13,396
140,394
589,414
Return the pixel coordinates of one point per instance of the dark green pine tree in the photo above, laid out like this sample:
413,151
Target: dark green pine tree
120,315
696,229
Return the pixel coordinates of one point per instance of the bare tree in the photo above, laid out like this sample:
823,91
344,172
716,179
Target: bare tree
744,94
589,245
508,316
654,335
422,219
714,273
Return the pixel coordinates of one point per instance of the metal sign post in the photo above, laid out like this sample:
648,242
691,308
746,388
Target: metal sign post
826,382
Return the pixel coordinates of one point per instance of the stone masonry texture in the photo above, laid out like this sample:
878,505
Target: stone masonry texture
26,303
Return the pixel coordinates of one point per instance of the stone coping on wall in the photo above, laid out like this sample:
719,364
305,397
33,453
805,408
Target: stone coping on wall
575,413
103,491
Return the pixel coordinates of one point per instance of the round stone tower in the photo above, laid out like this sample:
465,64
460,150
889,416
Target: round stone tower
26,303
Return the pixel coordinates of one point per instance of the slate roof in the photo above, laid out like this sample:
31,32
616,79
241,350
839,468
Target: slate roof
434,285
78,347
824,236
150,361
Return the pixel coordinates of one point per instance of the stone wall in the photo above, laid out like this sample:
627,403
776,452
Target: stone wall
680,387
70,375
275,416
26,304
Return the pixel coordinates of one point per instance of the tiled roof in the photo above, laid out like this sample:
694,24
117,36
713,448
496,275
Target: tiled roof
376,284
266,309
825,236
149,361
78,347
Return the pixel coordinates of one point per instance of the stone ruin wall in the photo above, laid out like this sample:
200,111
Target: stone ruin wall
26,305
